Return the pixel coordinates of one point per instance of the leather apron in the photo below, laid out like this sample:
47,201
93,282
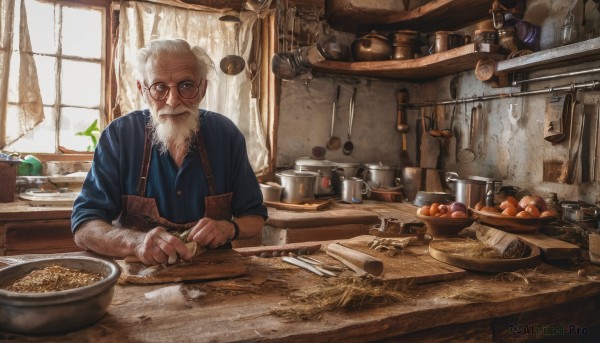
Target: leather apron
141,213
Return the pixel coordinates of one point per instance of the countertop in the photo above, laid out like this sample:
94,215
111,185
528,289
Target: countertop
549,301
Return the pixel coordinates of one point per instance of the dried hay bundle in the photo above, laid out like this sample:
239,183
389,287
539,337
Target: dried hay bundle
476,248
344,294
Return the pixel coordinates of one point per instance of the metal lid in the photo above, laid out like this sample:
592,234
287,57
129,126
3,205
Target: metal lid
297,173
348,164
379,166
309,162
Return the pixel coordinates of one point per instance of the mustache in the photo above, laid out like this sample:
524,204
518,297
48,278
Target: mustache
168,110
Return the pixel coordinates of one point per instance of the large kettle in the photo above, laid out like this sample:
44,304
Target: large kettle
372,47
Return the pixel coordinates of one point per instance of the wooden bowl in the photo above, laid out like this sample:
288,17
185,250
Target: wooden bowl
513,224
445,250
446,227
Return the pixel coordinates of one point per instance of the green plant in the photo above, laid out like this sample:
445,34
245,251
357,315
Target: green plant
93,132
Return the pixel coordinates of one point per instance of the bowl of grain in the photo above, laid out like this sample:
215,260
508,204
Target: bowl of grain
56,295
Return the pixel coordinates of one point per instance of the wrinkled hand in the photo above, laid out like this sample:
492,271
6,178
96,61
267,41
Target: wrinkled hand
161,247
211,233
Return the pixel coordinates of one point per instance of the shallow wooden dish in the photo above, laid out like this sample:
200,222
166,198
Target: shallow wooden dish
446,227
513,224
443,250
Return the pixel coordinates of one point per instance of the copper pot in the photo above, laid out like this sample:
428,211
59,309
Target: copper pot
372,47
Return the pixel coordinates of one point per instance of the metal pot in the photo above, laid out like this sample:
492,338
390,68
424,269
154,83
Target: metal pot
372,47
271,192
324,170
473,189
379,175
585,215
298,186
417,179
59,311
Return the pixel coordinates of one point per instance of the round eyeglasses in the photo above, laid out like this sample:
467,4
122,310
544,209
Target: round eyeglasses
159,91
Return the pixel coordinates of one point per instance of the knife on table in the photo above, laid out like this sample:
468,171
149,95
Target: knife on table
302,264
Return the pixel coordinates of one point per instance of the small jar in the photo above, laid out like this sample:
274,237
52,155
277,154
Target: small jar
553,203
508,40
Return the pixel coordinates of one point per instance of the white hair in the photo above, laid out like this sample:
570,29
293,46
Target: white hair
173,46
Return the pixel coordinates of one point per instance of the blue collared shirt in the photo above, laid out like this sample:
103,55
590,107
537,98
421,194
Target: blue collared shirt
179,192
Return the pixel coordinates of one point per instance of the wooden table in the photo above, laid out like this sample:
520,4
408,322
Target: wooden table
555,301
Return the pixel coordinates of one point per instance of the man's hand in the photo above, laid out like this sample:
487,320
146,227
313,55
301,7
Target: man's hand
211,233
161,247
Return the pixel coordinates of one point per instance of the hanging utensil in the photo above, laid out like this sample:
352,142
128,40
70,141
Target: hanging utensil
401,126
467,155
596,140
433,131
334,141
569,167
430,147
349,146
453,92
233,64
583,17
480,131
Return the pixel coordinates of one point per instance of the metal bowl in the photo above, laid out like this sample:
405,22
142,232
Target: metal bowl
56,312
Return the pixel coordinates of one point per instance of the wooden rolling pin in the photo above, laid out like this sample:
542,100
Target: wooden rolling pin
358,259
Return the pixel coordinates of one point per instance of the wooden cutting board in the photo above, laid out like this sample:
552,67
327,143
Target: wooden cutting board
213,264
289,219
552,248
414,264
311,205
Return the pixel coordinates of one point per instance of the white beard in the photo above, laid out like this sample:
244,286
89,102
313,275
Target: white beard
176,134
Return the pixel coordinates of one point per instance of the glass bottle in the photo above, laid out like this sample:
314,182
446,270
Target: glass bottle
568,32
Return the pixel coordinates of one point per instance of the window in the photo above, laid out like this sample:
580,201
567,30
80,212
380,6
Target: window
67,45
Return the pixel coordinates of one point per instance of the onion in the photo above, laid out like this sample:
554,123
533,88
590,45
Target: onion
458,207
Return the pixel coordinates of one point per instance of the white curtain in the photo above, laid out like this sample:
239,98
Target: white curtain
228,95
20,87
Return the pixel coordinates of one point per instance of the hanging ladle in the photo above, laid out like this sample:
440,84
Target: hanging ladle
453,91
334,141
467,155
233,64
348,146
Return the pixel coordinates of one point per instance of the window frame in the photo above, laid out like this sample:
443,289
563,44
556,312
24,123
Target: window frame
105,64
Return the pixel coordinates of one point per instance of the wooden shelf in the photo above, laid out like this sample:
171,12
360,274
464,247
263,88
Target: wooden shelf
588,50
344,15
446,63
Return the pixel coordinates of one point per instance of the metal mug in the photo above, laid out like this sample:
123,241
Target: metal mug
353,190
